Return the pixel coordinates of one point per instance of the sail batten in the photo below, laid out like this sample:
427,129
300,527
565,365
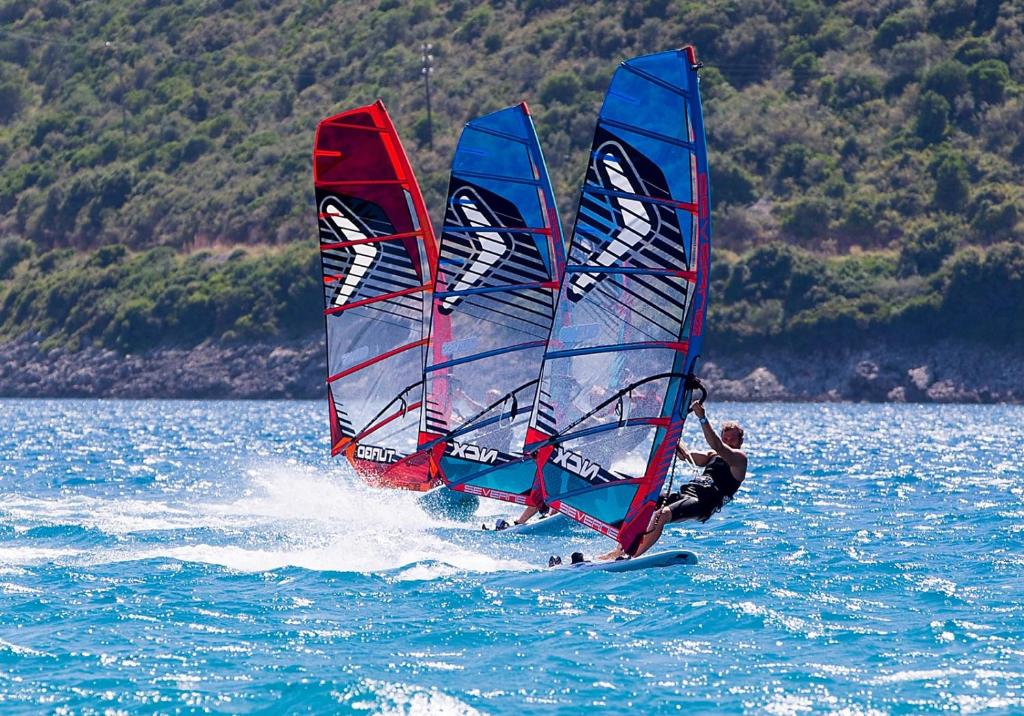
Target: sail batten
599,191
500,229
512,180
383,356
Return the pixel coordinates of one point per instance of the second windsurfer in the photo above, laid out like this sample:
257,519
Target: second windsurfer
528,512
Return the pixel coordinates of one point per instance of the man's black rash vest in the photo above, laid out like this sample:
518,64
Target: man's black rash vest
719,471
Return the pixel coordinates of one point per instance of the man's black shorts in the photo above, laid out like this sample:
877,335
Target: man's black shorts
694,502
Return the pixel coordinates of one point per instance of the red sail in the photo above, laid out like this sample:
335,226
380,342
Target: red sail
378,256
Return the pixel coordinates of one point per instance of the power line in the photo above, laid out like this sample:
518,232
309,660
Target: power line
42,39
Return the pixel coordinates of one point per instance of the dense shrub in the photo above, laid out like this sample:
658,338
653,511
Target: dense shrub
925,249
855,88
952,190
932,117
12,252
562,87
11,100
898,27
807,218
948,18
948,79
107,255
988,80
994,213
984,292
731,183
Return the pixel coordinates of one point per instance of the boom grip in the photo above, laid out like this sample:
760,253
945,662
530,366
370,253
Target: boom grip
693,383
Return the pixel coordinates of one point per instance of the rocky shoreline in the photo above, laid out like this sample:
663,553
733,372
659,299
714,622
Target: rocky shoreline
209,370
942,373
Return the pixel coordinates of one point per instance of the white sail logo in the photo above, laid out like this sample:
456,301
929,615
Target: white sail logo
638,219
347,227
575,463
468,451
375,453
492,246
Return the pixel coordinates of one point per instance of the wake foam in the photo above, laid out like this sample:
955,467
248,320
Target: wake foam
279,515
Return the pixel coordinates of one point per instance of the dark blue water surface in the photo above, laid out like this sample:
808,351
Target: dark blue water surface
208,556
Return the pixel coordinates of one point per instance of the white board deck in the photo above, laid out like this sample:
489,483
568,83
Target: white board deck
670,558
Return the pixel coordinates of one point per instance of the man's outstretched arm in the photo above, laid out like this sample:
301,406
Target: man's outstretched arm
733,458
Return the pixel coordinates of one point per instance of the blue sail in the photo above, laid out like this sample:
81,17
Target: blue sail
615,383
500,257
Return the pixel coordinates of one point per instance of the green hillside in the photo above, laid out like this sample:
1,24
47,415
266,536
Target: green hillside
879,145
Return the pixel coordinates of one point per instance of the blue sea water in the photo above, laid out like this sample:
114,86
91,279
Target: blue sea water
208,556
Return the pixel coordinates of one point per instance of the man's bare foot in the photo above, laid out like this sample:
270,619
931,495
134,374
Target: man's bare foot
611,556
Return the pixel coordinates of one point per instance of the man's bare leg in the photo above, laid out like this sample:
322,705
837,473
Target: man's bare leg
611,556
654,530
527,514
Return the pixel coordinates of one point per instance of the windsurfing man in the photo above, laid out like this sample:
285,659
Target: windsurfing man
725,467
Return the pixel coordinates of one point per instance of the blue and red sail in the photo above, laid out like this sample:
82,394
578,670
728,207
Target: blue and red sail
378,255
500,258
628,329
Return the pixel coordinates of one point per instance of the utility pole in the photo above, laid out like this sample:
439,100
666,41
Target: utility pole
428,69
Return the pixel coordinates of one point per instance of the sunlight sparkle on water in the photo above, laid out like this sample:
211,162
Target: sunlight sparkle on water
187,555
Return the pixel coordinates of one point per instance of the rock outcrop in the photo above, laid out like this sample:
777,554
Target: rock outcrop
944,372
